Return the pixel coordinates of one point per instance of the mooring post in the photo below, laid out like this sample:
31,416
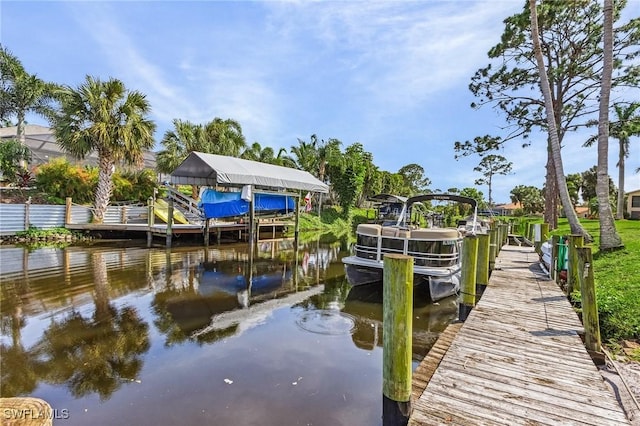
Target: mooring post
588,298
482,276
553,264
575,241
505,235
397,326
493,237
169,222
150,219
468,276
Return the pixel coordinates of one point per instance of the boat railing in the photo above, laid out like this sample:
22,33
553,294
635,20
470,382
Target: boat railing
435,247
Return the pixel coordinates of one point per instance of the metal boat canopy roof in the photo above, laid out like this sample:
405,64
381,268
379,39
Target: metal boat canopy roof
388,198
443,197
211,170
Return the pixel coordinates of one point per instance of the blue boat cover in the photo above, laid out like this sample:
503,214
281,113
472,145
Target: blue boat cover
217,204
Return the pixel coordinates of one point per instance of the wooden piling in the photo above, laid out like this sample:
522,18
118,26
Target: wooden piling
206,232
67,211
397,327
493,237
169,222
544,231
468,276
296,231
575,241
553,264
150,220
482,275
588,298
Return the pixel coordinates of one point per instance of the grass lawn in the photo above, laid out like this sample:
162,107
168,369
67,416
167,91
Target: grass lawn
617,276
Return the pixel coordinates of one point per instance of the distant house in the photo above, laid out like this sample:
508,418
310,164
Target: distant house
44,147
633,204
507,209
582,211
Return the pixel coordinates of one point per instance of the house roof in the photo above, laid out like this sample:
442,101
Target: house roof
43,145
511,206
210,169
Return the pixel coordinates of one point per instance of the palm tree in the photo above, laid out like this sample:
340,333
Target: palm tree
178,143
609,238
22,93
225,137
627,125
554,140
306,155
103,116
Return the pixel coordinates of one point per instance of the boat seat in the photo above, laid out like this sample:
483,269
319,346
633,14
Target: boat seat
389,231
436,234
369,229
404,233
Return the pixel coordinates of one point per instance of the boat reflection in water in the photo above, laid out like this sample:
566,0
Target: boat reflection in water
429,319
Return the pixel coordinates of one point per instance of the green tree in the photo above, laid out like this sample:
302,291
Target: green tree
573,64
105,117
529,197
476,195
490,166
12,154
414,179
22,93
348,184
589,183
574,186
393,183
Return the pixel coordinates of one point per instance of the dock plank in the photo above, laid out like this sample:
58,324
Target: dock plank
517,360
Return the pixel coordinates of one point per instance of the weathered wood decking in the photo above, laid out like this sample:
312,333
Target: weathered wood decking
517,360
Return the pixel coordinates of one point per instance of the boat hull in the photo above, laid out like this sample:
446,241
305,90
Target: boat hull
441,283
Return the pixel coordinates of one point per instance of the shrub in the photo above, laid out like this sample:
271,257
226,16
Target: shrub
60,179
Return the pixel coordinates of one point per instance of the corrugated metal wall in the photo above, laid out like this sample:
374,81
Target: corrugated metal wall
45,216
12,216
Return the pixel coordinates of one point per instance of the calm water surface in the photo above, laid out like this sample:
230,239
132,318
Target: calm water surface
127,335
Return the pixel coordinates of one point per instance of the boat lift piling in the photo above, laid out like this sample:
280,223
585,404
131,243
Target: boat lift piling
397,329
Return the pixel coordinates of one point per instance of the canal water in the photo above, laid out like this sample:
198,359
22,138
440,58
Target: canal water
113,334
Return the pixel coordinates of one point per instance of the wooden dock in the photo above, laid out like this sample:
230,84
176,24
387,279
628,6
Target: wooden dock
518,359
160,229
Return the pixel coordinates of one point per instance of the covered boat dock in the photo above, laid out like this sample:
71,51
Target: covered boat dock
252,177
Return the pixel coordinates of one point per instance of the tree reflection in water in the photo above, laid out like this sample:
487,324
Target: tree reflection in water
98,354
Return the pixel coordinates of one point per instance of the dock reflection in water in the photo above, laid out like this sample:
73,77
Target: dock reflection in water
193,336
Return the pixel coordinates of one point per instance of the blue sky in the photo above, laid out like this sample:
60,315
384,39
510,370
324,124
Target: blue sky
391,75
